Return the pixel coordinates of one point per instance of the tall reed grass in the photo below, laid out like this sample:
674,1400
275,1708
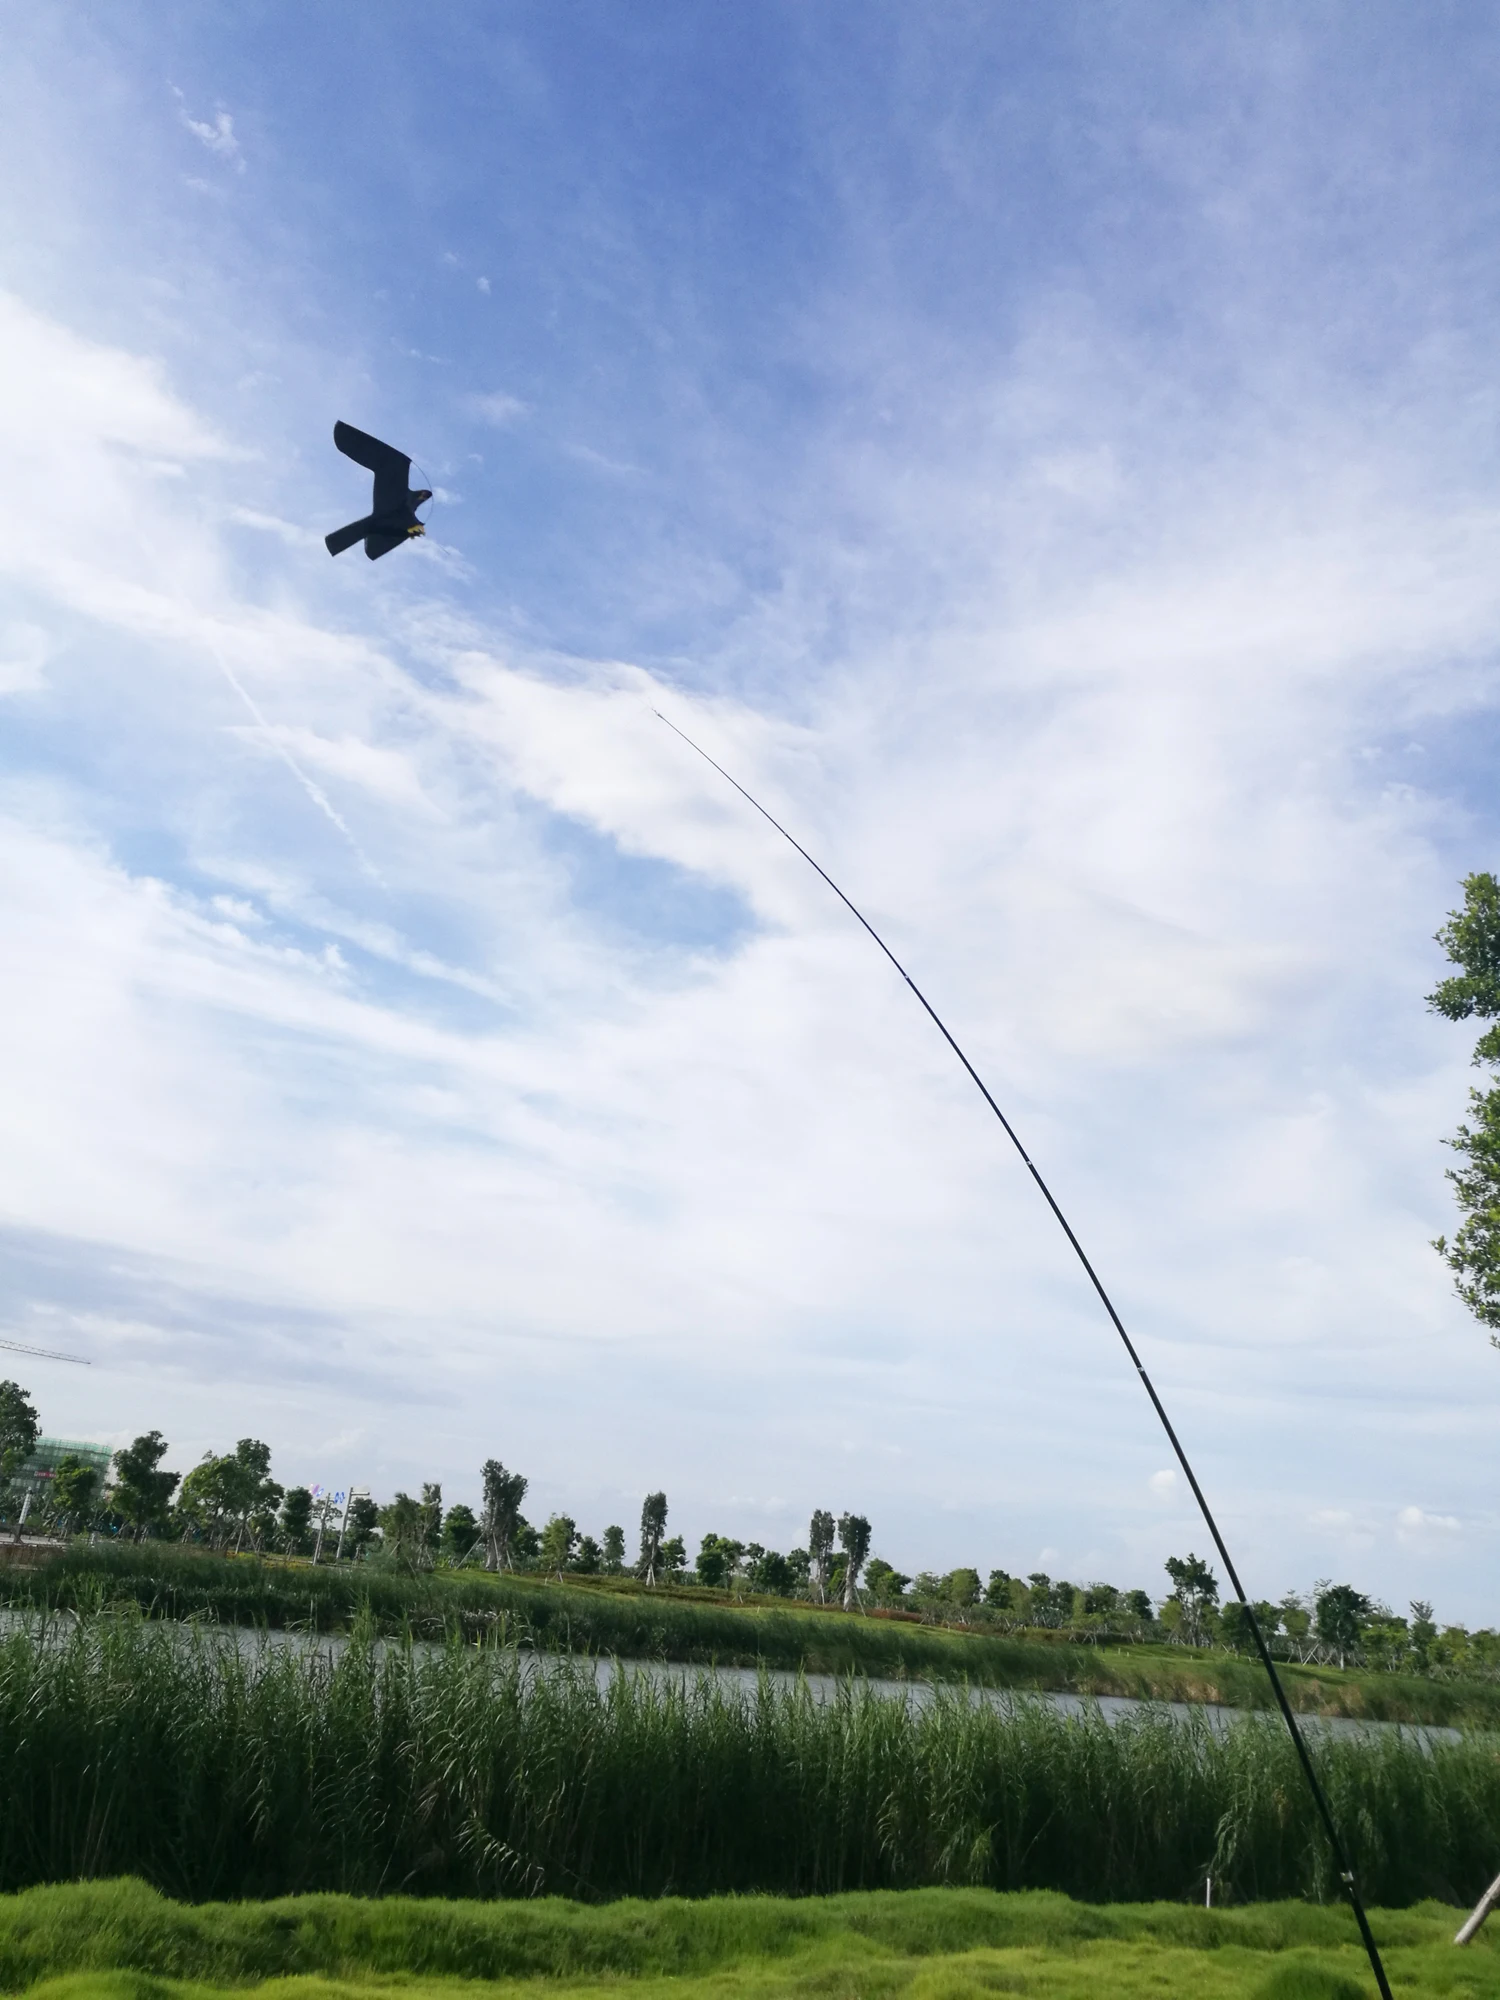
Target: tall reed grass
173,1583
217,1769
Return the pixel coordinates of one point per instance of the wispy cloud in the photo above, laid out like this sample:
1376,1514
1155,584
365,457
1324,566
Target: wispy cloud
497,407
216,133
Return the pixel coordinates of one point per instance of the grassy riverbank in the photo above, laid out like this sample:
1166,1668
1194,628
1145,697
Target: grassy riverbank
91,1940
631,1623
215,1769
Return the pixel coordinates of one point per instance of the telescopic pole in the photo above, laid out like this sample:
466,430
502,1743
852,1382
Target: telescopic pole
1299,1742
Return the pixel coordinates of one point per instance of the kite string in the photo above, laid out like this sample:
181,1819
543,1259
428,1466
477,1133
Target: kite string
1325,1811
314,791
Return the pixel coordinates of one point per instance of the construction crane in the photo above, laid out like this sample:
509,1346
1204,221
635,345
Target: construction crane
45,1353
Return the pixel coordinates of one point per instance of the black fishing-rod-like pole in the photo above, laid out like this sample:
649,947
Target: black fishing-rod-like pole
1325,1813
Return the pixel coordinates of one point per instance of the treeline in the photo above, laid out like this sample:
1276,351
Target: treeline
230,1503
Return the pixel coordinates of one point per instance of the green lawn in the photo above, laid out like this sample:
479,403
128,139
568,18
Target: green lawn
122,1941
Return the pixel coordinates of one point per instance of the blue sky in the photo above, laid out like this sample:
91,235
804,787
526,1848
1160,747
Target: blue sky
1051,455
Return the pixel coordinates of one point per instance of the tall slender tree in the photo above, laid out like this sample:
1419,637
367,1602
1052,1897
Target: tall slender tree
503,1493
854,1540
653,1527
820,1551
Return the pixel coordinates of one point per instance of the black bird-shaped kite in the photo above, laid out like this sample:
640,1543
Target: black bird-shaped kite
392,519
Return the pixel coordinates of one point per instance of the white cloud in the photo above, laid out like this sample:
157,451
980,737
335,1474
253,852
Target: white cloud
461,1091
497,407
217,134
1417,1524
24,652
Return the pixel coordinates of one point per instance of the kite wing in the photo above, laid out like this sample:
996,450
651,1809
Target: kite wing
392,469
381,545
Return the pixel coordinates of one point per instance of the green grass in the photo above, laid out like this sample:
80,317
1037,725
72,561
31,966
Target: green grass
130,1747
610,1617
120,1941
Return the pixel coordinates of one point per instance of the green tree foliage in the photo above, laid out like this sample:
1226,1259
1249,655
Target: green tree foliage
364,1518
854,1540
885,1584
430,1508
500,1512
294,1521
653,1527
559,1539
771,1573
1471,939
1423,1630
75,1492
460,1532
19,1429
1195,1590
961,1587
590,1557
820,1552
673,1559
716,1560
1000,1591
142,1492
1341,1613
614,1549
220,1494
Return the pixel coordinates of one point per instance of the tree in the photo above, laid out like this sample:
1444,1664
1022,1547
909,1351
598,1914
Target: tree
460,1532
614,1549
1341,1613
1196,1591
295,1519
1138,1604
1000,1590
20,1428
589,1557
501,1510
798,1572
363,1519
961,1587
715,1561
431,1509
220,1494
820,1551
771,1573
1471,939
261,1524
75,1489
1423,1631
142,1492
673,1559
653,1527
200,1500
559,1539
885,1584
854,1540
403,1530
